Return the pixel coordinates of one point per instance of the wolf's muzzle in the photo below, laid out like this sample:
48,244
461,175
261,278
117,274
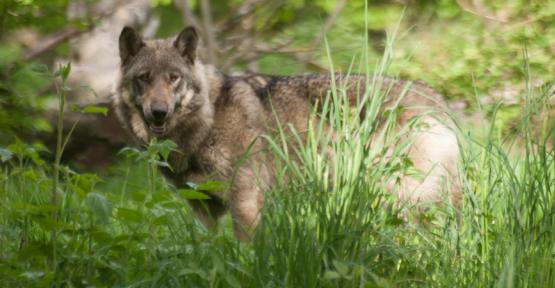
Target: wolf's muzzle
156,115
159,112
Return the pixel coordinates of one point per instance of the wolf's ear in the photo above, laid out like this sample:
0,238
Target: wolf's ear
130,43
186,43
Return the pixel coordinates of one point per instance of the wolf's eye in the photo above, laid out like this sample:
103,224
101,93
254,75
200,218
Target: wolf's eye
144,77
174,78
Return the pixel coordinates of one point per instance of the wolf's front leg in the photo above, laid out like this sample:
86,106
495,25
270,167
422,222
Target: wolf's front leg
246,202
208,211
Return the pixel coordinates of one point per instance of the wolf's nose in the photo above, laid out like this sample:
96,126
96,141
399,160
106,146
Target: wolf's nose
159,111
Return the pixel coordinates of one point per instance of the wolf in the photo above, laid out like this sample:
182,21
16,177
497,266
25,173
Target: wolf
167,92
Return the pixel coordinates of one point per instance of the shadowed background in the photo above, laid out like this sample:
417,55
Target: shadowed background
469,50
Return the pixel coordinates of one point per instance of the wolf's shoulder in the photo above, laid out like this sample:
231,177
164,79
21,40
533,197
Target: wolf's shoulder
248,85
265,85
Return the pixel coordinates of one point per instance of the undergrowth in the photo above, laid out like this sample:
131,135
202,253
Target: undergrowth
331,223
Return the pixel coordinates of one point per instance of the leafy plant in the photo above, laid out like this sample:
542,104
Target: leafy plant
318,228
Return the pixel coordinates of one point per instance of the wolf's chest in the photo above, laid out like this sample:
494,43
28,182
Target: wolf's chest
209,163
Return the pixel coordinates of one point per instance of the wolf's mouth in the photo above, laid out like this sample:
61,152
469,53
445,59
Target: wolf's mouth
158,129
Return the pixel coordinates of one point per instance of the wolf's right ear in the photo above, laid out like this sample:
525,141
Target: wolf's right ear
186,43
130,42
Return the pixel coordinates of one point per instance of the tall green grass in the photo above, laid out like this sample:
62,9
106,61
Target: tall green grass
328,221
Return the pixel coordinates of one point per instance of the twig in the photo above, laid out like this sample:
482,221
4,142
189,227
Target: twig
242,33
328,23
186,13
330,20
299,56
524,22
244,10
50,41
247,24
479,11
54,39
472,9
280,48
208,30
62,93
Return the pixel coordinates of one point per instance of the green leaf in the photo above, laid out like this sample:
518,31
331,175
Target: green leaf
32,275
34,208
162,195
63,71
5,154
30,175
95,110
331,275
46,223
34,251
212,186
39,68
129,215
342,268
160,163
192,185
100,207
192,194
162,148
187,271
162,220
156,3
231,280
102,237
129,152
138,196
88,88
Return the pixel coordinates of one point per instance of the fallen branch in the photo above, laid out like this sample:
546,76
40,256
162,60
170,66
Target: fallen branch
53,39
50,41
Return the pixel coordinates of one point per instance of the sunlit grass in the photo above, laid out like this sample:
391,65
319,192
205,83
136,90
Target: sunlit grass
329,220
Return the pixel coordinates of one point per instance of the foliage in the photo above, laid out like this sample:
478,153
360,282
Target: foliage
343,232
25,86
463,50
132,228
20,84
23,13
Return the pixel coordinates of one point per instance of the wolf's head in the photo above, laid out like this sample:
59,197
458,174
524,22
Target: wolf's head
162,82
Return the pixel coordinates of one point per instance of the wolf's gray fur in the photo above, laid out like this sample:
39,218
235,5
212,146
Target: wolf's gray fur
167,92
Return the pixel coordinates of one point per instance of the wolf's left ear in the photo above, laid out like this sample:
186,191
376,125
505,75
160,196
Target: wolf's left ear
186,43
130,43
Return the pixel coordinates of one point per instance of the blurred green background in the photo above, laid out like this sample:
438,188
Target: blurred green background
472,51
124,226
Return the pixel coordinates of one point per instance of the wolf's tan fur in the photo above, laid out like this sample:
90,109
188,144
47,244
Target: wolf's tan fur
214,119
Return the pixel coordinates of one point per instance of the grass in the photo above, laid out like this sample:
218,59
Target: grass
333,223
